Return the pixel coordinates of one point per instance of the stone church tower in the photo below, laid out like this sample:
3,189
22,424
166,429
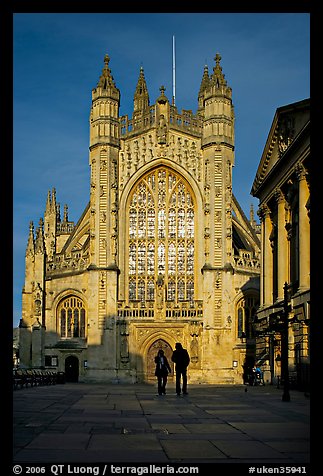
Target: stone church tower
163,253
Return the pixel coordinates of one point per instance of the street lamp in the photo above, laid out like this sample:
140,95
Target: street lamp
284,347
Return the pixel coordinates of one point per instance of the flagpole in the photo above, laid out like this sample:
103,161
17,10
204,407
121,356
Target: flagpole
174,83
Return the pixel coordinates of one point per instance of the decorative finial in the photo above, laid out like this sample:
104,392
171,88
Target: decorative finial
217,59
162,89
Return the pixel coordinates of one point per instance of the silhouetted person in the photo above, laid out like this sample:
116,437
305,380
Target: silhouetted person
162,371
246,372
181,358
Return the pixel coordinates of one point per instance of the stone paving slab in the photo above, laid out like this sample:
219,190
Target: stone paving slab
202,450
170,428
65,441
280,431
129,423
247,449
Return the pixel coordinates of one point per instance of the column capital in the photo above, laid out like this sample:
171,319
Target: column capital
264,212
301,171
279,195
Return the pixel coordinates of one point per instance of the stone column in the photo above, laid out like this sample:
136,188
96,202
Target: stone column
282,245
266,288
304,230
268,259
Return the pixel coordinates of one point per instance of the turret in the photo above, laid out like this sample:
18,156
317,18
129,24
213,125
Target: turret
218,109
104,154
104,125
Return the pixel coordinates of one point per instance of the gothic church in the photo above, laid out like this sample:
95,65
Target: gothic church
163,253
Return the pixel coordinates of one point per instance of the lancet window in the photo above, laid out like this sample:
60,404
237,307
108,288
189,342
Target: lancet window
161,229
71,318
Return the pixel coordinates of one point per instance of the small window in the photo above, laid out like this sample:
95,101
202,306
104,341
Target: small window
51,361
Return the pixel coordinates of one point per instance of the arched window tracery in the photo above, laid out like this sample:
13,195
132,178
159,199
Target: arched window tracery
71,318
161,231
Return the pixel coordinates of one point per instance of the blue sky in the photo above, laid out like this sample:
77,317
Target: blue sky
58,58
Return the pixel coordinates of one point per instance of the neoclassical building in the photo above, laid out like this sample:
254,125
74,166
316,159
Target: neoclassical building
282,186
162,253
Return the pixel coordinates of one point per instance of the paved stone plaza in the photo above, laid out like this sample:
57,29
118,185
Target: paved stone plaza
77,422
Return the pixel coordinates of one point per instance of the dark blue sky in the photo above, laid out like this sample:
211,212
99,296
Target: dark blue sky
58,59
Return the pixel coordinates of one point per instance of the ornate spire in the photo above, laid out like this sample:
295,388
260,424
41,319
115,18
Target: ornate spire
205,84
205,80
39,242
30,250
217,77
54,200
51,202
106,79
141,98
48,202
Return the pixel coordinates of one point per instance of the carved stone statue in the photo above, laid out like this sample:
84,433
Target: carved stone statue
162,130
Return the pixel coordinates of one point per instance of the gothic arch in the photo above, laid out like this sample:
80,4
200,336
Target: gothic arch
146,344
67,292
125,202
70,314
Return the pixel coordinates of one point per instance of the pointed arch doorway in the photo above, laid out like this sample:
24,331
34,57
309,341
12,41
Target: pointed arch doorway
152,352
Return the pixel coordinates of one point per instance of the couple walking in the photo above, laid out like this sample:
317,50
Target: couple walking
181,359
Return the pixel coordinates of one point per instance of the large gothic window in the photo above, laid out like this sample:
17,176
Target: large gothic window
246,311
161,237
71,318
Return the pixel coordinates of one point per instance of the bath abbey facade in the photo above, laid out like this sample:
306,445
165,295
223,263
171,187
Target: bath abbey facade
163,252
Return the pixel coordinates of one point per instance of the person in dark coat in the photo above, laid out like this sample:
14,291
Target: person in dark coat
181,359
162,371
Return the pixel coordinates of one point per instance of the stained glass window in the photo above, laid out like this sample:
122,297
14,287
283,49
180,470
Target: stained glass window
71,320
161,237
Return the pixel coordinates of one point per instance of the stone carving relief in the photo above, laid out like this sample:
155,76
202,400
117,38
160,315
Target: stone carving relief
124,342
135,153
162,130
285,133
